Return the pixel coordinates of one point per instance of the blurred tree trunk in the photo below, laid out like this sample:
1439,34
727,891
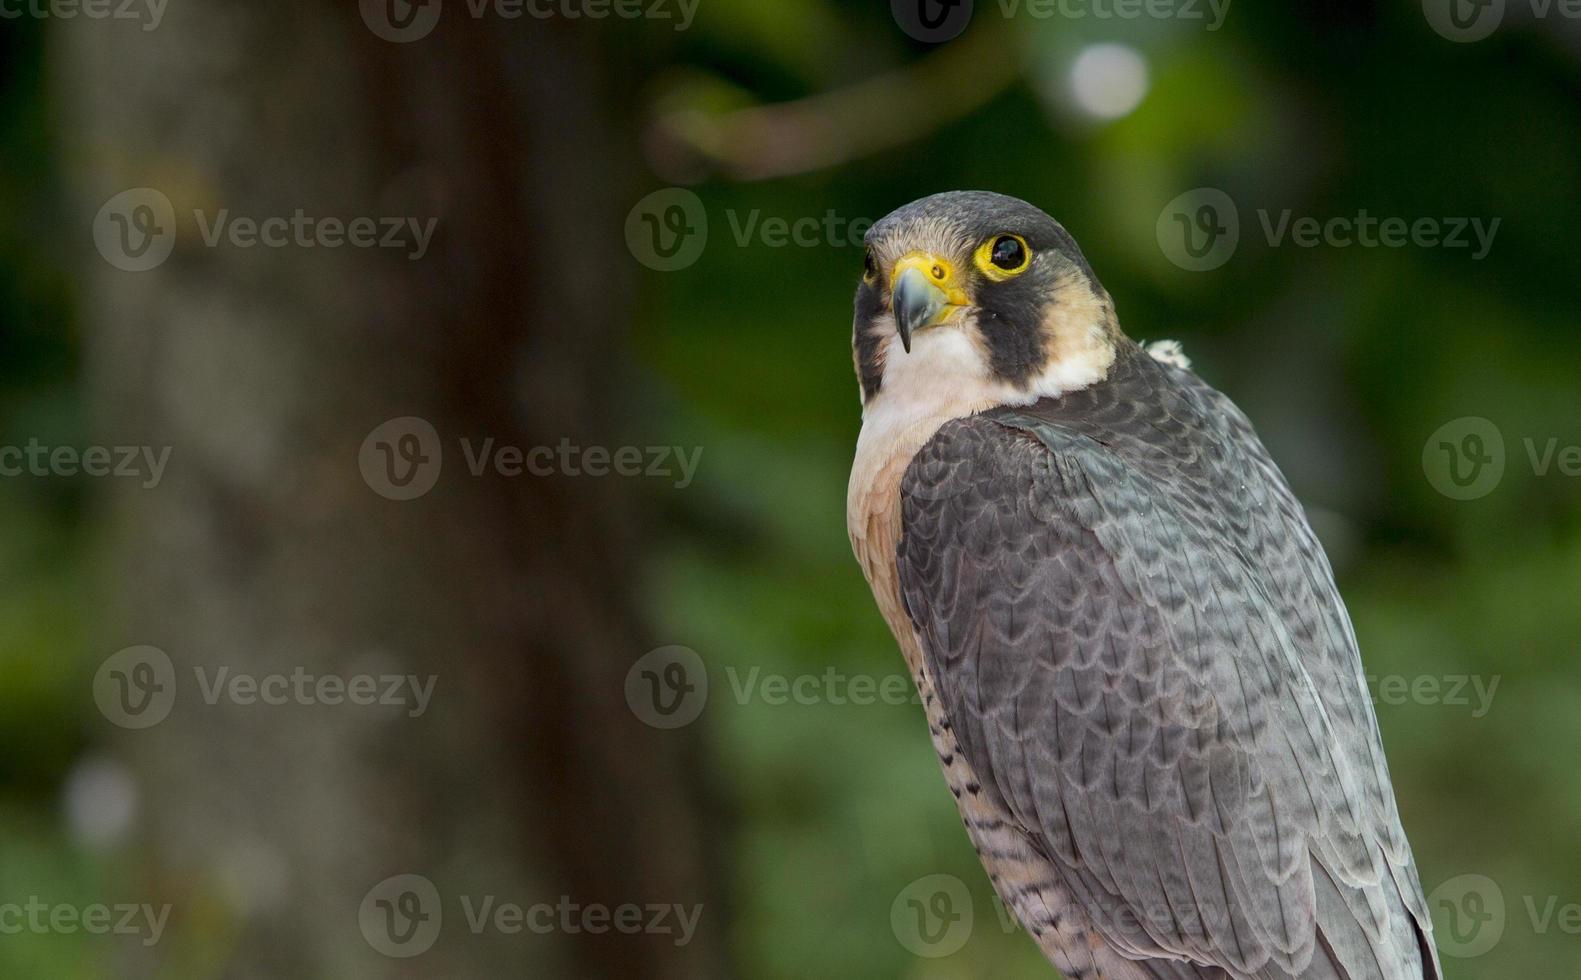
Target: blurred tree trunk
264,549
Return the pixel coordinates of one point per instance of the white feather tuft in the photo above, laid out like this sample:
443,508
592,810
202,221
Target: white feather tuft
1169,352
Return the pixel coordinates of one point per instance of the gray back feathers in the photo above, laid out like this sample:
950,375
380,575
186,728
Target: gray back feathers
1139,642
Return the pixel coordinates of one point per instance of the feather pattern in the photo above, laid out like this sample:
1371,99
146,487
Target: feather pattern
1138,645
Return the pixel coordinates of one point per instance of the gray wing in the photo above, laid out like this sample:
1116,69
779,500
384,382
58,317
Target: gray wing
1138,641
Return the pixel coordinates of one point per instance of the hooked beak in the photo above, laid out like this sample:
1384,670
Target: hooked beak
922,293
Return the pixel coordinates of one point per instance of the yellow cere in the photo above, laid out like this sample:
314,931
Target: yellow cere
938,270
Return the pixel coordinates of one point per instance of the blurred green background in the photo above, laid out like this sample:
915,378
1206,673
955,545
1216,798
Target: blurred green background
1347,358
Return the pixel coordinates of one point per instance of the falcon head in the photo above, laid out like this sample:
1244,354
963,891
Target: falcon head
977,299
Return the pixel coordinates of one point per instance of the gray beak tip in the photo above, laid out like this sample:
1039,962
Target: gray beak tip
916,303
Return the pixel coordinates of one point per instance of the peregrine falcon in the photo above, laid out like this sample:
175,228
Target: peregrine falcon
1140,679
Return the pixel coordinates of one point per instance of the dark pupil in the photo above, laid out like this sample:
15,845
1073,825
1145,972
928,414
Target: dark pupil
869,267
1008,253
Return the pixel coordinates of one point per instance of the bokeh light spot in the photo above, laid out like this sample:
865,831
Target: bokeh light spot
1108,81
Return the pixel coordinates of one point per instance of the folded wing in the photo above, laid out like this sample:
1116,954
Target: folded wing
1138,640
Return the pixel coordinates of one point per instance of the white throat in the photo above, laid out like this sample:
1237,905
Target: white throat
946,376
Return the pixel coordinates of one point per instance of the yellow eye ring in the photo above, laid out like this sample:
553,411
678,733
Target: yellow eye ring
1003,256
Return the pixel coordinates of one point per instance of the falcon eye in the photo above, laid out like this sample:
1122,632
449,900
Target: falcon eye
1004,256
869,267
1009,253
